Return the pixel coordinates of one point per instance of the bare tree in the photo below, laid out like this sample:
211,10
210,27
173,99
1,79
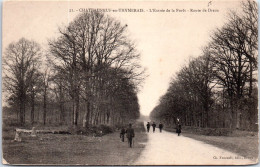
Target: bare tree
21,62
222,80
92,45
234,51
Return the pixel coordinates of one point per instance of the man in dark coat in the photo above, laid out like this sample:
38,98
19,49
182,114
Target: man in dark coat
178,129
153,125
130,134
148,126
122,134
160,127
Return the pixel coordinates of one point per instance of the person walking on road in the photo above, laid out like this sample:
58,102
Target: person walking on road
160,127
178,129
148,126
122,134
153,125
130,134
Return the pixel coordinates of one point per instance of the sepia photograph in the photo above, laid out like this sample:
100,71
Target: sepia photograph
130,82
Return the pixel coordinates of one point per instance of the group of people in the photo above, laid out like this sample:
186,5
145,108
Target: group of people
130,134
148,125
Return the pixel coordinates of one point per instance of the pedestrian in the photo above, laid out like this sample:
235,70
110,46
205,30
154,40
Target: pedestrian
122,134
130,134
160,127
178,129
148,126
153,125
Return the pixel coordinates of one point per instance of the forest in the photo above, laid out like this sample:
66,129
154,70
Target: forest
218,89
89,75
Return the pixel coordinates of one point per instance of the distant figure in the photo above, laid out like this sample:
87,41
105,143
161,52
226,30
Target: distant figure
130,134
148,126
122,134
160,127
153,125
178,129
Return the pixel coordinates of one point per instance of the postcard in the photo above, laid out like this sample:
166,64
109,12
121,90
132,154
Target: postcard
130,82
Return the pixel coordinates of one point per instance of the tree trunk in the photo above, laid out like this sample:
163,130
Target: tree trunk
32,109
22,108
86,119
76,109
44,105
62,117
21,111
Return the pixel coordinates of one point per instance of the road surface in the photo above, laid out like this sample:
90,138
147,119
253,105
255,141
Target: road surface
169,149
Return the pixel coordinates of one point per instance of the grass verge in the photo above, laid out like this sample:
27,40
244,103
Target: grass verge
74,149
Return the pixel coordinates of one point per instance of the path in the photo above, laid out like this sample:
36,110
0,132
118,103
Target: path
169,149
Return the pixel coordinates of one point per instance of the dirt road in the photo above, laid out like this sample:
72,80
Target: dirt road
169,149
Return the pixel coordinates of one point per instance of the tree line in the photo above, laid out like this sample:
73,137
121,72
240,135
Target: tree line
89,75
218,89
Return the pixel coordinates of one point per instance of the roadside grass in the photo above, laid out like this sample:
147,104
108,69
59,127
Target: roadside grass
244,143
72,149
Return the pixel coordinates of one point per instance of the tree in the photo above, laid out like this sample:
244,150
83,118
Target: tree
91,46
189,95
21,63
234,53
217,89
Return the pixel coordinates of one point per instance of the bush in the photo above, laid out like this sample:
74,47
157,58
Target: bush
208,131
120,126
217,132
105,129
91,130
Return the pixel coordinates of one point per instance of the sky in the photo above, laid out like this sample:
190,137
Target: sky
165,40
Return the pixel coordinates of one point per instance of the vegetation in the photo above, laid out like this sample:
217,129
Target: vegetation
89,75
219,88
75,149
